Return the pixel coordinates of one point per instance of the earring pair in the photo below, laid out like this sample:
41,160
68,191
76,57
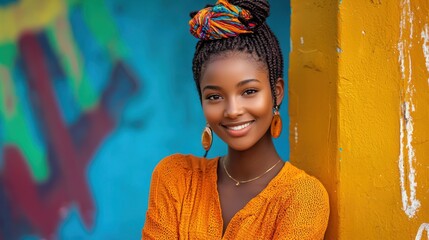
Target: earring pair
276,129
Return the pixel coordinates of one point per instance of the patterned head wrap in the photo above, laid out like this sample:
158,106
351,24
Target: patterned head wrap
221,21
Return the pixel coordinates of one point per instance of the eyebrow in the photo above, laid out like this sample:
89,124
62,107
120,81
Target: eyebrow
244,82
241,83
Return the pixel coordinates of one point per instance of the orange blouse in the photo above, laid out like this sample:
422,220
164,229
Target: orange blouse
184,204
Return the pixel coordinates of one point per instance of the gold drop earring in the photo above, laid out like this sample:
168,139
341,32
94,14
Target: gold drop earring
207,139
276,123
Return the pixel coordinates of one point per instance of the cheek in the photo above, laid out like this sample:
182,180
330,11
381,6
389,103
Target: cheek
261,106
212,113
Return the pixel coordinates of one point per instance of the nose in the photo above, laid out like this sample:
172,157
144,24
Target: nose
233,109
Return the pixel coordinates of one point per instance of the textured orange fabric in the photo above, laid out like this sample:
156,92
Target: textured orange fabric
184,204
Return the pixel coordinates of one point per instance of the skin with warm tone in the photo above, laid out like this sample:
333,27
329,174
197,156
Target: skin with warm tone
238,105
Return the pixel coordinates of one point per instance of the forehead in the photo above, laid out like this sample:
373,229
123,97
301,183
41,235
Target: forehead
233,67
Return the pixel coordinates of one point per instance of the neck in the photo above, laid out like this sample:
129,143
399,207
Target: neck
251,162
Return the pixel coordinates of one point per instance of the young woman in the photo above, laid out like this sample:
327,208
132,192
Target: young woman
250,193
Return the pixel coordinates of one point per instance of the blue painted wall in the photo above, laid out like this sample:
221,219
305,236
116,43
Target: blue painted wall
135,59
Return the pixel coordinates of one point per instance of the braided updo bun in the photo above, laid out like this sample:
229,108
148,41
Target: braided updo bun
252,36
260,10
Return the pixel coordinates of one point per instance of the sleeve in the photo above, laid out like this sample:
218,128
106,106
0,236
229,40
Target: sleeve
164,202
307,212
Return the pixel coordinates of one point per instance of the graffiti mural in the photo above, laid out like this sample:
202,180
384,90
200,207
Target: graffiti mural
54,118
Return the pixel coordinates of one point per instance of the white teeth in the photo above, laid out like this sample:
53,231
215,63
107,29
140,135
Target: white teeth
236,128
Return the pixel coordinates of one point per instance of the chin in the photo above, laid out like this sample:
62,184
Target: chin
240,146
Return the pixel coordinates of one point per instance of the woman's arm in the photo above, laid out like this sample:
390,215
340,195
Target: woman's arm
307,212
163,211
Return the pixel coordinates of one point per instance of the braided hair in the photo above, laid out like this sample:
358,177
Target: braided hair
262,44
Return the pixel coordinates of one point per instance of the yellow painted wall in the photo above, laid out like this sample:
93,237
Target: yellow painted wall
359,97
313,95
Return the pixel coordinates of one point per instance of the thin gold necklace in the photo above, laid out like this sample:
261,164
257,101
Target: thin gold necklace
238,182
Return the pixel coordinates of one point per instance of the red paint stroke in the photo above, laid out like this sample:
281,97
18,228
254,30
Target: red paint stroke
44,211
59,137
20,187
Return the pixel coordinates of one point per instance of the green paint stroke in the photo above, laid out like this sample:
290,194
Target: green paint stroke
102,25
17,135
85,95
8,52
72,3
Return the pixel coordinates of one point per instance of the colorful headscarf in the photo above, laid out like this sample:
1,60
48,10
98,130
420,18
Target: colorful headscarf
220,21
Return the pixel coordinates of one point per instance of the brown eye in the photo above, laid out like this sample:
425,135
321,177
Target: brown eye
250,91
213,97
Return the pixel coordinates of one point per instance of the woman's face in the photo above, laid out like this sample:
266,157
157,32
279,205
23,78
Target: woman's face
237,100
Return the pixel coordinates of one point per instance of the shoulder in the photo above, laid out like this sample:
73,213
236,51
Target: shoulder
310,184
305,210
181,163
303,187
178,171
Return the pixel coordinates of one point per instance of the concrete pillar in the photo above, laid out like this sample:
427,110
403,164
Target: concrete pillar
359,112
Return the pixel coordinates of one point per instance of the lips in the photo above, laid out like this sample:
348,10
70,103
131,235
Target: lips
238,129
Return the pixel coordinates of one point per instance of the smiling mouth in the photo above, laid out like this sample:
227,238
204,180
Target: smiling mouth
238,128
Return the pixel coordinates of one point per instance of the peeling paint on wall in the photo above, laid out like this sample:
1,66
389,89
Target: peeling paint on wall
410,204
422,228
425,46
296,132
